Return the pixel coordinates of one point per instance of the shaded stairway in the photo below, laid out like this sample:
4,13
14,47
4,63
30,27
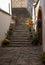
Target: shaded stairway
20,36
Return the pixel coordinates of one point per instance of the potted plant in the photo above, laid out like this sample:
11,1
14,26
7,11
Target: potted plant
11,26
9,32
43,58
5,42
29,22
35,39
31,35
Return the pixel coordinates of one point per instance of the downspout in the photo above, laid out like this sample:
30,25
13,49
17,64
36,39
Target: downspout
11,6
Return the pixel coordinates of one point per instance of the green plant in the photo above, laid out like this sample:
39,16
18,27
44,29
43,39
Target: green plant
5,42
9,32
31,34
35,39
42,56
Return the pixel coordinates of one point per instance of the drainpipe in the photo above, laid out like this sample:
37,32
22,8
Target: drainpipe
9,8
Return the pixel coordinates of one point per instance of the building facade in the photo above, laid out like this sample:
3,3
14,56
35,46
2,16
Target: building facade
22,6
5,20
39,14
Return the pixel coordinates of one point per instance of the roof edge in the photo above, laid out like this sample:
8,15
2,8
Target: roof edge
5,12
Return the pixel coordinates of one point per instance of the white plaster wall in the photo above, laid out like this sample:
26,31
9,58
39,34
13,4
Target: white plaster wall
4,5
42,4
5,21
43,10
35,14
19,3
37,11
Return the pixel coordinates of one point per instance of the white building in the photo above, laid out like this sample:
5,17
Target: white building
5,20
39,13
22,5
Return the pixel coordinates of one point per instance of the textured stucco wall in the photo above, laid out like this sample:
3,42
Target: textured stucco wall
4,25
29,6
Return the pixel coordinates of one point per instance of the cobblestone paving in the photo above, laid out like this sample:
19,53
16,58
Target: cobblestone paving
20,55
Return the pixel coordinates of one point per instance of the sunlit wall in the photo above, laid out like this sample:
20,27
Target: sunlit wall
4,4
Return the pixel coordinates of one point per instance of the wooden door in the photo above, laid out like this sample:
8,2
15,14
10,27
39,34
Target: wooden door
39,28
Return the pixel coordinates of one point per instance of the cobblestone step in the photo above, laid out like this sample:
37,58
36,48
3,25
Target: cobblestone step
20,35
20,55
19,44
24,31
23,41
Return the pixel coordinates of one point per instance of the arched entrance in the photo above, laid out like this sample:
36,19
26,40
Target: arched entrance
39,25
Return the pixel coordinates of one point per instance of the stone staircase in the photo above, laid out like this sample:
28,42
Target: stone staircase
20,36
